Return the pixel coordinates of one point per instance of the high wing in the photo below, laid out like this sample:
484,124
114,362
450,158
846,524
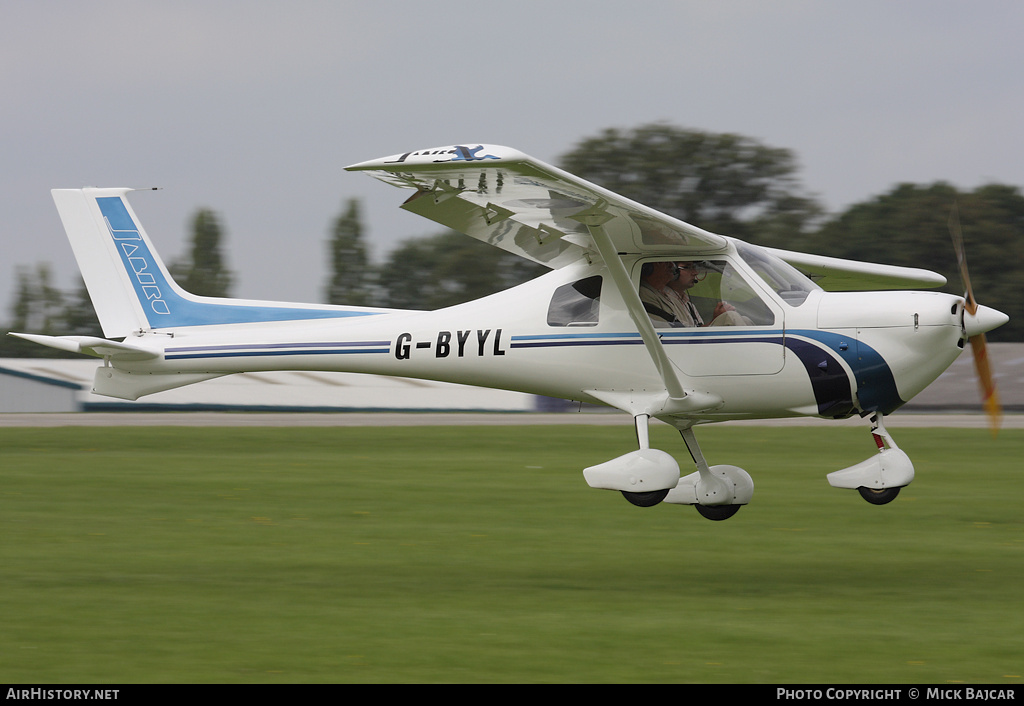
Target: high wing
508,199
837,275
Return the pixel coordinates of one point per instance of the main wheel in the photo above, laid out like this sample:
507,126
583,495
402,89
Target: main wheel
649,499
717,512
878,497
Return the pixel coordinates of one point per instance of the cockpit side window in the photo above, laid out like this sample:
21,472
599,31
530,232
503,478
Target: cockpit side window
576,304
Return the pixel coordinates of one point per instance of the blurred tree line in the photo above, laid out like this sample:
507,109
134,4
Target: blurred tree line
724,183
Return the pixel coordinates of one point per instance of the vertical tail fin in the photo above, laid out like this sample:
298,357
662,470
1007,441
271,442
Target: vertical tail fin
106,250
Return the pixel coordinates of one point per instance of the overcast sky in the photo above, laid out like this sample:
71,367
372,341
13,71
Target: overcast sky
253,108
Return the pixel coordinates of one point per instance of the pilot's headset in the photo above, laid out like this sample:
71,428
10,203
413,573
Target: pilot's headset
701,267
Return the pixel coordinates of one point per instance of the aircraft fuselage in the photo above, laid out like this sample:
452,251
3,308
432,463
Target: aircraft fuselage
832,355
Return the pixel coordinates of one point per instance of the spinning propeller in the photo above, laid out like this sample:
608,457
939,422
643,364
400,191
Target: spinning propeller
977,320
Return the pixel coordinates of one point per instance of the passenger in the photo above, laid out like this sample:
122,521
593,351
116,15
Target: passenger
662,308
678,289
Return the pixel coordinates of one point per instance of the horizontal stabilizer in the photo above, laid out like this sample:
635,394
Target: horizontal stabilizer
90,345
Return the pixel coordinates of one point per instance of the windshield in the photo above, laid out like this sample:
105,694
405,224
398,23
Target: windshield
787,281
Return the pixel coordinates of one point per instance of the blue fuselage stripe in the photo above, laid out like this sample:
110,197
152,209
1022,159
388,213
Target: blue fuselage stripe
269,353
271,346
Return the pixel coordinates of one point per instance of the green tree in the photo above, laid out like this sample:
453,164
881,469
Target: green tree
725,183
38,308
351,274
447,269
204,273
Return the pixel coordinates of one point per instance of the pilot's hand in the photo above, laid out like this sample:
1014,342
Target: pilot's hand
721,308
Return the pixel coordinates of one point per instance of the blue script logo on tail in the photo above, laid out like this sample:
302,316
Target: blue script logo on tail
150,285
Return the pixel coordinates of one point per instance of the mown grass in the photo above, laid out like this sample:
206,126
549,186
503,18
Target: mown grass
478,554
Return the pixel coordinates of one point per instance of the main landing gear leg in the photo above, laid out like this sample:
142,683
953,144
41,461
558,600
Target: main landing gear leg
717,492
644,477
643,438
880,478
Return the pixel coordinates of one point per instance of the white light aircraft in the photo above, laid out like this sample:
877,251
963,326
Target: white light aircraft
798,334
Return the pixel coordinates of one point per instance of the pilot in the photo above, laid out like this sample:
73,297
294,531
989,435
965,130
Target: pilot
663,309
678,289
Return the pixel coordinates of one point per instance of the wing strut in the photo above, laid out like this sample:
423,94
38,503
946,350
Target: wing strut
677,400
595,218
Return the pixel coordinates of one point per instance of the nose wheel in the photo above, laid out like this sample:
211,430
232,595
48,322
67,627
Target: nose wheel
878,479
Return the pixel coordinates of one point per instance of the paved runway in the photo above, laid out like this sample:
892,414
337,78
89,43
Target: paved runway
381,419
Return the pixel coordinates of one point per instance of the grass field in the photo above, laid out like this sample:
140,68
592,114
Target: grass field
478,554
